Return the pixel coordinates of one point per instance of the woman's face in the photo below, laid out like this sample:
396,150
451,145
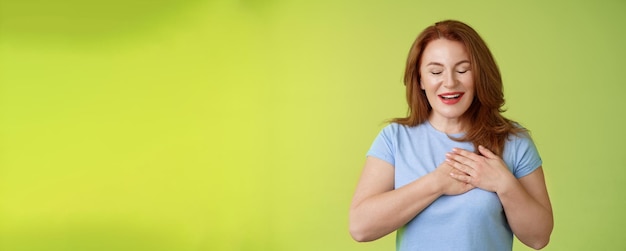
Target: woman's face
447,79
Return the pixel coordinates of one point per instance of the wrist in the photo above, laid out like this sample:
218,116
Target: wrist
433,182
509,183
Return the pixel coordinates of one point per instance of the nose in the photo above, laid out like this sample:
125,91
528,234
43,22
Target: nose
449,80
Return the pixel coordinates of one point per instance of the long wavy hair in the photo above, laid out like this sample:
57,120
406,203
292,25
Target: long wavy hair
483,122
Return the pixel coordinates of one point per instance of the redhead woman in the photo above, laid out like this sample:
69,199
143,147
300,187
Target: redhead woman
455,174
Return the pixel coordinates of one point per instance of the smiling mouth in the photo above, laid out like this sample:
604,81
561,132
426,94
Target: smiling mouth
449,96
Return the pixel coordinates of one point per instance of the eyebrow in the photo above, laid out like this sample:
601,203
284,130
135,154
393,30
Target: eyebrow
440,64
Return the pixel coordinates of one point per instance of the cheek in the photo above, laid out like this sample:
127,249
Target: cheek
468,81
427,83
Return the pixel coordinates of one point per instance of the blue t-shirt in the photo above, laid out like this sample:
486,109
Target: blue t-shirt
471,221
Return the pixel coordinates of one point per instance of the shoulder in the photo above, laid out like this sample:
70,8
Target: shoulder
396,130
521,136
392,128
521,154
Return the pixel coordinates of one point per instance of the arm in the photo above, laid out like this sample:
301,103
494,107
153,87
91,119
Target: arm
525,200
528,210
377,209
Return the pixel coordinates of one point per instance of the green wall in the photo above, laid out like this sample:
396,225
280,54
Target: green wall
243,125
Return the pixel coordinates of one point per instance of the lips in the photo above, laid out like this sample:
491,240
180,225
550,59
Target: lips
450,98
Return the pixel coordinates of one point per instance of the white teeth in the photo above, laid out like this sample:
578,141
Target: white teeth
450,96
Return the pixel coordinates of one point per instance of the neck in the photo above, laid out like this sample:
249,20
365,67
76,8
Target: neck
446,125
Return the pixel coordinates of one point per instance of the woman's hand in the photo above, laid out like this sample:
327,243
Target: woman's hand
488,172
449,185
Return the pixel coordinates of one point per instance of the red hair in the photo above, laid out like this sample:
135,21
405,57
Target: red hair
483,122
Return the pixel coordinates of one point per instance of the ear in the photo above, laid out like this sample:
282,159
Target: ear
421,85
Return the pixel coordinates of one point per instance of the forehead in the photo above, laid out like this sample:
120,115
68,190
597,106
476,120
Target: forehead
444,51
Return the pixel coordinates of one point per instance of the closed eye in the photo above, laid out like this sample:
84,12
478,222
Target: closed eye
436,73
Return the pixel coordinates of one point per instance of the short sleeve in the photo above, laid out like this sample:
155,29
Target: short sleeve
527,157
384,145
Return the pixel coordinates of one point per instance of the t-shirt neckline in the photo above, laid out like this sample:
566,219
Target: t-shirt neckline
432,128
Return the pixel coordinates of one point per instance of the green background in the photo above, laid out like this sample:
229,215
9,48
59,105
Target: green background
243,125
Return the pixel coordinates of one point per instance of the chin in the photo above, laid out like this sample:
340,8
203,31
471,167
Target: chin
453,114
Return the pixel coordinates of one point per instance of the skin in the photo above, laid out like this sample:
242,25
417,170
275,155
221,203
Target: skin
378,209
445,68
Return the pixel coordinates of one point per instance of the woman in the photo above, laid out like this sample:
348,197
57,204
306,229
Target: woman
454,174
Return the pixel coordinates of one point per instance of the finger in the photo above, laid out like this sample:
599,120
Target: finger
465,153
486,152
461,177
455,157
461,167
457,172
